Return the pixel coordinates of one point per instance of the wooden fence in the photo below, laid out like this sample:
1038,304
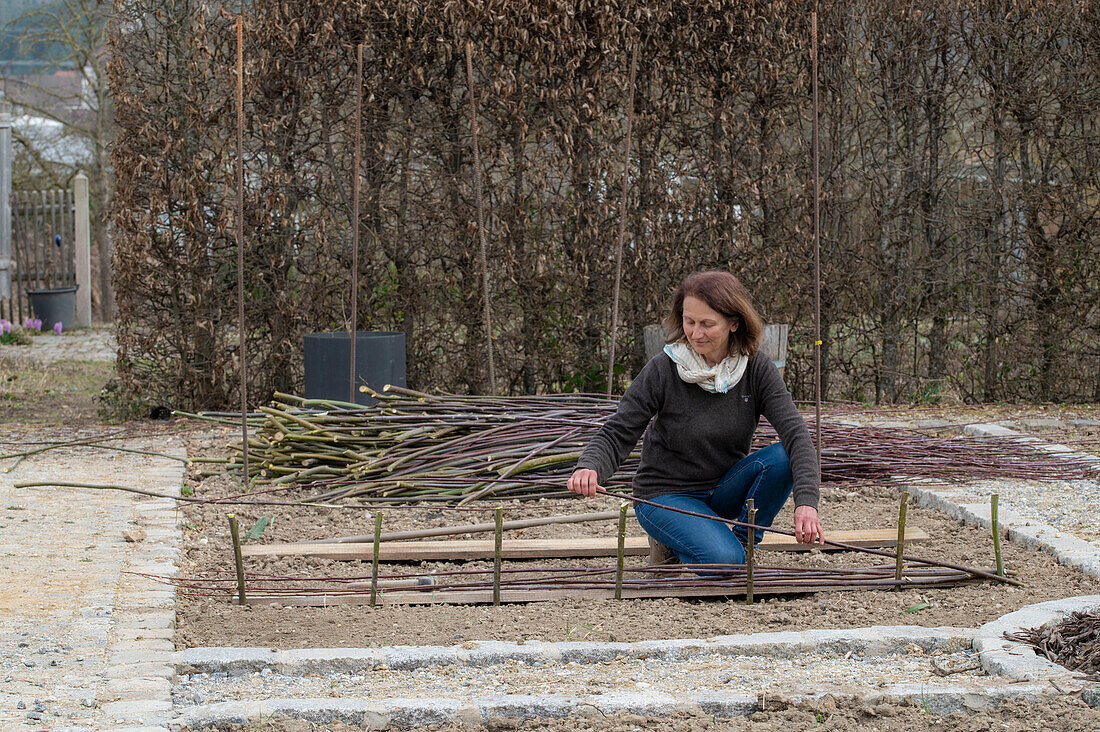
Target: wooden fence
43,247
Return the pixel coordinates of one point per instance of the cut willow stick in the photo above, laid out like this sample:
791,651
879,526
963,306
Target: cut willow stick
93,446
622,552
237,558
901,536
751,505
190,499
374,561
993,499
497,541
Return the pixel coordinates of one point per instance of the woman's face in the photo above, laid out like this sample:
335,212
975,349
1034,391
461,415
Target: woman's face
707,330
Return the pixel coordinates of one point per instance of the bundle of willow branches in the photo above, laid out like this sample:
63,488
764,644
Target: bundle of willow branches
412,446
1073,642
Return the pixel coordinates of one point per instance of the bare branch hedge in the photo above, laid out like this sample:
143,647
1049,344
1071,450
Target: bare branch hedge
960,154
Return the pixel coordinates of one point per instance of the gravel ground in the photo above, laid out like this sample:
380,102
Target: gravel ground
812,673
62,556
1072,506
91,344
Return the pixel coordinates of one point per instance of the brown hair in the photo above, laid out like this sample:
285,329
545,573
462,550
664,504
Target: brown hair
727,296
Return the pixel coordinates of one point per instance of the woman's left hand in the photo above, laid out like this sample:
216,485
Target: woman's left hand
807,526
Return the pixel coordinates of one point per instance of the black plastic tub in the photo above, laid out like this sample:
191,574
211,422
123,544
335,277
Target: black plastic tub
379,360
55,305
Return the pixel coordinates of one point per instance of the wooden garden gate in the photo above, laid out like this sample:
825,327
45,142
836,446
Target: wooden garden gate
42,247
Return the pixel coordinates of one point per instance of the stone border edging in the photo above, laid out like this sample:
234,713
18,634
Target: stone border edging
873,641
404,713
1019,661
140,673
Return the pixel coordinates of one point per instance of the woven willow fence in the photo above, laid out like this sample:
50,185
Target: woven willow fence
959,155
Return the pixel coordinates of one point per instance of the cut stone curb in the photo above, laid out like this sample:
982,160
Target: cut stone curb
1002,657
873,641
140,674
402,713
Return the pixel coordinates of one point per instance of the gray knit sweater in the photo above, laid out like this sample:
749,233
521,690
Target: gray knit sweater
698,435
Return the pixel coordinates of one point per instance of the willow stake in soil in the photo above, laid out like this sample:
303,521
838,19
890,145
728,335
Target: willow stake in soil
901,536
237,559
996,534
751,506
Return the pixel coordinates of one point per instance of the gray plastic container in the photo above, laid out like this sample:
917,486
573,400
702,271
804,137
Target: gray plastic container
379,360
55,305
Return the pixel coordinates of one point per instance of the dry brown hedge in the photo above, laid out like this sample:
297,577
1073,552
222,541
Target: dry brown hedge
959,158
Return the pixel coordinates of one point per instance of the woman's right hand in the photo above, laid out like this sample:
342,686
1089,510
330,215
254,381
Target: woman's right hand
583,481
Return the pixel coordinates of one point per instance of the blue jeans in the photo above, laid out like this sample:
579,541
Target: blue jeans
764,476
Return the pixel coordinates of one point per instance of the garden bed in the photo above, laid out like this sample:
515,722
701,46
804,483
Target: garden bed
207,552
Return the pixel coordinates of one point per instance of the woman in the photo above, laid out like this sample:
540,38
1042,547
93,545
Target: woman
707,390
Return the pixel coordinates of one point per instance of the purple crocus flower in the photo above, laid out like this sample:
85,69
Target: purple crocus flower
57,327
5,326
32,324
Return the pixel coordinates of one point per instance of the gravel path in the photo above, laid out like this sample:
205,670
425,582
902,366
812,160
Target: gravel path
92,344
68,611
811,673
1072,506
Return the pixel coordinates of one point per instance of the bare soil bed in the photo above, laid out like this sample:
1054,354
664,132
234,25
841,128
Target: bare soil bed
207,552
825,715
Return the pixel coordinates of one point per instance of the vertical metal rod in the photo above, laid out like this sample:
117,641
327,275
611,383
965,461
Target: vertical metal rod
374,559
750,551
815,143
354,326
498,539
237,558
622,222
240,247
484,251
622,552
993,500
901,535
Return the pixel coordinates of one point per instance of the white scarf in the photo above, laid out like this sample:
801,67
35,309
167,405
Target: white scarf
693,369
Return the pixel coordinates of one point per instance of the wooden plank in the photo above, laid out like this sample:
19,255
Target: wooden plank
473,597
415,551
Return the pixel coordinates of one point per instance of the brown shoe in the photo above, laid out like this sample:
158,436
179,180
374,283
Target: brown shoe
660,554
